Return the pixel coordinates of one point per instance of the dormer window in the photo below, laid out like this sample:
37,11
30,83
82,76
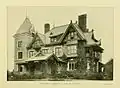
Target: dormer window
19,44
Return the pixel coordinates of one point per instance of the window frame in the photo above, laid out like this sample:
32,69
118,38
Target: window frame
30,55
58,51
18,53
53,39
72,49
45,51
72,66
19,44
72,35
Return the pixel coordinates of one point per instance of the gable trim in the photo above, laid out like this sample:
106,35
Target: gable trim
33,41
63,36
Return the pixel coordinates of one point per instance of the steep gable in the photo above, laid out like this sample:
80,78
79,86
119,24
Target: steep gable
37,42
75,27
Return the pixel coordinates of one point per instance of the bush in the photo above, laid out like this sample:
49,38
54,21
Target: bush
60,75
70,75
22,77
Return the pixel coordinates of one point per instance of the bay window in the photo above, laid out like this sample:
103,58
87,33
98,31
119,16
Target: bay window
72,49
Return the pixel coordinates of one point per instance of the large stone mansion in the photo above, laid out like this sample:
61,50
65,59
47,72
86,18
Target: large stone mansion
69,47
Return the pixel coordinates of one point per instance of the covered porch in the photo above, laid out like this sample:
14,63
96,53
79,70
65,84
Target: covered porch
45,64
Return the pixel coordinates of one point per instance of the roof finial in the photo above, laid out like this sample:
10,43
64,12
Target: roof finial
26,13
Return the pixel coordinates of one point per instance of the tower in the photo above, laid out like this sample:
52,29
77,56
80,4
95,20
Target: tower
22,38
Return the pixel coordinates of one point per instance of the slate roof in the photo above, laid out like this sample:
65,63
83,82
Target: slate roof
55,31
79,30
88,37
42,37
25,27
58,30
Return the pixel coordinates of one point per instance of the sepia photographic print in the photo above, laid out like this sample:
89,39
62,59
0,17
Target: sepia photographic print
60,43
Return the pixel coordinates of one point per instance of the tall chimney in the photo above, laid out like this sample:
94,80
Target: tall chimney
82,20
46,28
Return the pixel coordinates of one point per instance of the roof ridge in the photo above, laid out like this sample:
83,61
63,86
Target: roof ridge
60,26
57,27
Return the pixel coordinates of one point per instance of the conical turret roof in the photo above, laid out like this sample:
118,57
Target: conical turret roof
25,27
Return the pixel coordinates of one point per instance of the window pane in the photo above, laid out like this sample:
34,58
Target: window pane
69,66
31,53
45,51
19,55
58,51
72,66
20,69
19,43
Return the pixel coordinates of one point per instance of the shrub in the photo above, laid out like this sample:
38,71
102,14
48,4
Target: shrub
19,77
95,76
70,75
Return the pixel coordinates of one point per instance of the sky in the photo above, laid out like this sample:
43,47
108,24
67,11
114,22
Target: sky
101,19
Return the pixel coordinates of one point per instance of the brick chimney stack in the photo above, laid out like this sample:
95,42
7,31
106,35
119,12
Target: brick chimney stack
46,28
82,21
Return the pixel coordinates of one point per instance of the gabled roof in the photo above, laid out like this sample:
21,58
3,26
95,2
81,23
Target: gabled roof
79,30
26,27
62,30
75,26
37,36
39,56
